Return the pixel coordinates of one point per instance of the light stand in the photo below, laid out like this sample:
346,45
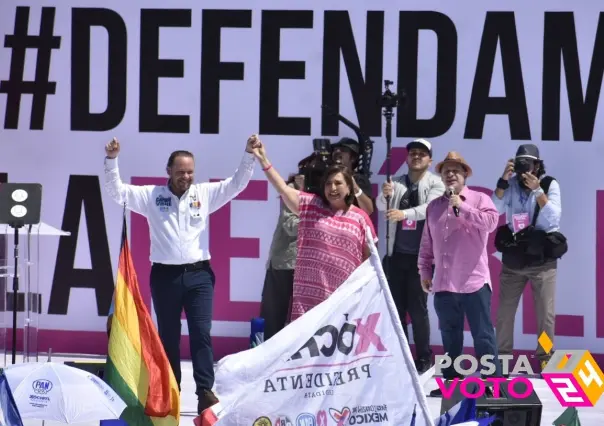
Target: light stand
388,102
16,226
20,205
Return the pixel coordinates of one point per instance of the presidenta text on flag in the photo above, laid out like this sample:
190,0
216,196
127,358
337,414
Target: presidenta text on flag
346,361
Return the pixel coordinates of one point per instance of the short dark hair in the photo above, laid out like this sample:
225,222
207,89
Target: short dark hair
334,170
179,153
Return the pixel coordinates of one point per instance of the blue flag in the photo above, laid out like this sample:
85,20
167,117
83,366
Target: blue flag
9,414
463,411
487,420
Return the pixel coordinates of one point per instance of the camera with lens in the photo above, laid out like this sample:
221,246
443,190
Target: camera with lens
313,167
322,146
522,165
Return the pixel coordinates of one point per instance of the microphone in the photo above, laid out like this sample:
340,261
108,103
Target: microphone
455,209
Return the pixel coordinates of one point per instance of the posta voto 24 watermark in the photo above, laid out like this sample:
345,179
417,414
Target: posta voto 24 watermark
573,376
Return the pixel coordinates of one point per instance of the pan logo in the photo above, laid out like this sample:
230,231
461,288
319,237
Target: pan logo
41,386
306,419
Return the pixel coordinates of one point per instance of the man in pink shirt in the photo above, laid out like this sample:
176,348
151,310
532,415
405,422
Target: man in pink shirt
455,238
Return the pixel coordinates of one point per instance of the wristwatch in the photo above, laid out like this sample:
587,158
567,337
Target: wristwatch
538,192
358,194
503,184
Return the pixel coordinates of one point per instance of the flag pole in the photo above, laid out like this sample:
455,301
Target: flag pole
124,232
398,328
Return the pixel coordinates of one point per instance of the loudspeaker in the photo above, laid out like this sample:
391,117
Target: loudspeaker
510,411
97,368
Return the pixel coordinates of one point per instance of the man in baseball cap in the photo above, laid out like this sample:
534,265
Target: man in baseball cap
409,195
421,144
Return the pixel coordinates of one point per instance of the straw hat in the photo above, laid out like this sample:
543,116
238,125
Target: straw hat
454,157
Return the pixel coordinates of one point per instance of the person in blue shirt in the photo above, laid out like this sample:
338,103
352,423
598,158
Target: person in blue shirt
518,193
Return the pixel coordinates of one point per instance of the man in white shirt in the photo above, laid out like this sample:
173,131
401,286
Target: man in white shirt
181,276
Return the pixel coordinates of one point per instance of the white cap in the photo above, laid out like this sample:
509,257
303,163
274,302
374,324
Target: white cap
417,143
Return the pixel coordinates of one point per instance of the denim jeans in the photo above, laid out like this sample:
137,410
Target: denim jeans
174,287
450,308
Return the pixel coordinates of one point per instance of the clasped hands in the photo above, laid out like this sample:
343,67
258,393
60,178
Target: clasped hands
254,144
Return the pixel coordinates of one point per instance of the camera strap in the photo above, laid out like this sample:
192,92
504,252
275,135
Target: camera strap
545,184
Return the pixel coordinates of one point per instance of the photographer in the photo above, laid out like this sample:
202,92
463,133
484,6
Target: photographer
530,244
410,194
346,152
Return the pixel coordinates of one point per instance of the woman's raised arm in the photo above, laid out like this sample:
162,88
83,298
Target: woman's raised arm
289,195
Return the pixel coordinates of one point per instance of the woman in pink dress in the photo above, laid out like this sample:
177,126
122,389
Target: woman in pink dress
332,237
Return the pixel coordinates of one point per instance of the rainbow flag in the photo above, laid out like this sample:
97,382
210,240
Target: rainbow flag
137,366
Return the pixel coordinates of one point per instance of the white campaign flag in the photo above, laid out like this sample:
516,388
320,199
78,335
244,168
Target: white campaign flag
345,362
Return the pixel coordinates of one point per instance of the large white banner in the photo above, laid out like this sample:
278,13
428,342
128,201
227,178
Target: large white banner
480,77
346,361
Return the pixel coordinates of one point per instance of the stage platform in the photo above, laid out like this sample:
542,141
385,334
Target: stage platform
551,408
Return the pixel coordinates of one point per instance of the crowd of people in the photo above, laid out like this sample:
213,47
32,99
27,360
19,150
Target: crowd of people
437,244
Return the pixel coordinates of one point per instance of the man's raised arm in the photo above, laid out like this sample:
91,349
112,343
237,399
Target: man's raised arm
135,197
220,193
